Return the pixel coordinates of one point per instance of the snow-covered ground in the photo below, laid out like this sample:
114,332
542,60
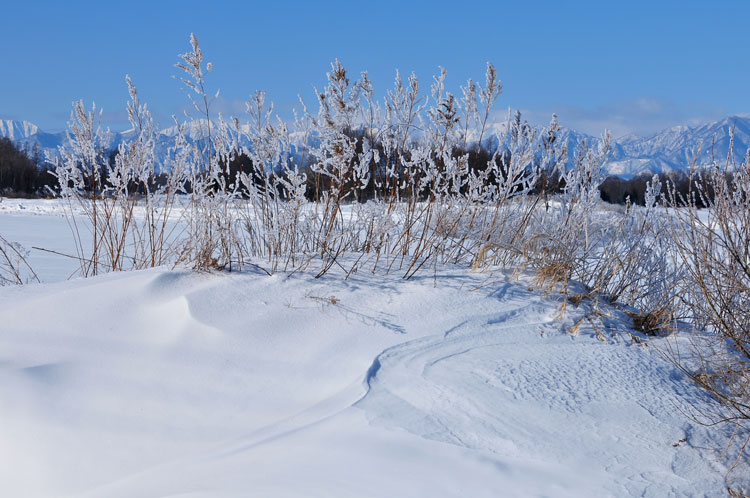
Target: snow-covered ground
175,383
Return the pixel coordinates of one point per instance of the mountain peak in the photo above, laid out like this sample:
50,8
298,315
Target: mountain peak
17,130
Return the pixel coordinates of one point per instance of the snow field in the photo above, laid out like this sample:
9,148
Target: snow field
159,383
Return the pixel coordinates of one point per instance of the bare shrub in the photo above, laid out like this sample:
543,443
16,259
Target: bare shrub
713,244
405,184
14,268
107,194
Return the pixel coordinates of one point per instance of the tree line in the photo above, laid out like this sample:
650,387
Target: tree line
23,172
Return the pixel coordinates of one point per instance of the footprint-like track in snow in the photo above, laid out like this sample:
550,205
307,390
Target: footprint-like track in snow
499,384
423,385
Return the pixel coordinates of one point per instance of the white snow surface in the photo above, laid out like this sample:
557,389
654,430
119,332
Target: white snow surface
175,383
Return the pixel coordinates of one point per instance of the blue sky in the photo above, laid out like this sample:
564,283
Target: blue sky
630,67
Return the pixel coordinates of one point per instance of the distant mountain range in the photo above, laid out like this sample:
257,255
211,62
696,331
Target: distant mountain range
676,148
26,135
670,150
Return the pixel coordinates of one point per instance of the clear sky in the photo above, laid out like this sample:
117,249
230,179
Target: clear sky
629,66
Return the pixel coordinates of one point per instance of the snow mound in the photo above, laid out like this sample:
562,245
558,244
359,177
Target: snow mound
159,383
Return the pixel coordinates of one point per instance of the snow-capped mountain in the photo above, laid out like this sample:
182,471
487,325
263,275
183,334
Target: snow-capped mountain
674,149
27,134
677,148
17,130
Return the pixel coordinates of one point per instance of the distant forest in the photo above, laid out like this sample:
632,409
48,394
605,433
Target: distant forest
25,173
